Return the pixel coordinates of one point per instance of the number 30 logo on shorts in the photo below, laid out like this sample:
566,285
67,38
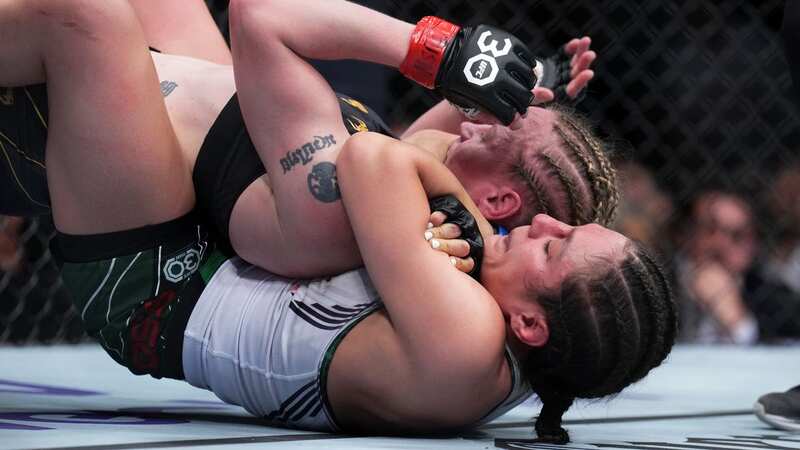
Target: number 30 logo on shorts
182,266
482,68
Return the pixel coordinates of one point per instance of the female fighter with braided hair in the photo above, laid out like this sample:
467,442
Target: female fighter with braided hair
430,346
586,312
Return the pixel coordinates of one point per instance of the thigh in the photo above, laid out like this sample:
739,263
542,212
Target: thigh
113,161
20,44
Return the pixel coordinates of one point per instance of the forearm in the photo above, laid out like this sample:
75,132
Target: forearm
730,311
434,53
336,29
381,154
435,142
385,191
442,117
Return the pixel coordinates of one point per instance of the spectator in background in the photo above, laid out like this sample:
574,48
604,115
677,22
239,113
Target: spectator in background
784,259
717,248
644,208
773,286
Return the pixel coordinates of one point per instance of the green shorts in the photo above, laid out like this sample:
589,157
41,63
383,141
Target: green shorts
135,289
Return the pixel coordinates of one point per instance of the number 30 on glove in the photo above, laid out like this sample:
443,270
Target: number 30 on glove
482,67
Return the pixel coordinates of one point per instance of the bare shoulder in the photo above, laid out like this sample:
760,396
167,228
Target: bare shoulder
467,375
374,385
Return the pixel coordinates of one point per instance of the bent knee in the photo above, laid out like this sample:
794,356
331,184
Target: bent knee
251,18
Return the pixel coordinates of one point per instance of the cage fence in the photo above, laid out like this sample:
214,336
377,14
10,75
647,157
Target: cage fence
34,306
693,97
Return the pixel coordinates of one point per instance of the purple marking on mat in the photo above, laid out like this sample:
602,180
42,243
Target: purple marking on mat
201,402
89,417
146,411
15,387
16,426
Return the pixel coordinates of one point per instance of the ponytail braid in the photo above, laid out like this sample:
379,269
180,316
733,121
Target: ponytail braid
548,424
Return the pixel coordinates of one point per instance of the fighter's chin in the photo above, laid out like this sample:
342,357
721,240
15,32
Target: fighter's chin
492,246
452,149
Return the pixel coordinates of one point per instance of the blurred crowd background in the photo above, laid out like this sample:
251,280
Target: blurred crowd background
696,98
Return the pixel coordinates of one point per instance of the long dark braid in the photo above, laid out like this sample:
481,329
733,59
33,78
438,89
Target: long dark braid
606,331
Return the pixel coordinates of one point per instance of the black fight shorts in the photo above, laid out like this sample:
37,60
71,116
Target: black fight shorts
23,135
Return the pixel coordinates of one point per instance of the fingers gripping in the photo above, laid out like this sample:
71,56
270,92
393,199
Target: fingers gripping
445,238
454,213
458,249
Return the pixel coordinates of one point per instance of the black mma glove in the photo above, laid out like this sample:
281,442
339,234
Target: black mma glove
554,73
459,215
475,68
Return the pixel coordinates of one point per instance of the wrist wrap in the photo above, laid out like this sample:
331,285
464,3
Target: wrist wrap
427,49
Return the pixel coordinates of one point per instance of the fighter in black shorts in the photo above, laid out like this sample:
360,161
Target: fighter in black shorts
119,163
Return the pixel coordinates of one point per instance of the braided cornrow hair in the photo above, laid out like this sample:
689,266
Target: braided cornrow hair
579,167
597,167
573,194
537,186
607,330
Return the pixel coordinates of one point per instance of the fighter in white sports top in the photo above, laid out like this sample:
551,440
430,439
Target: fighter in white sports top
266,342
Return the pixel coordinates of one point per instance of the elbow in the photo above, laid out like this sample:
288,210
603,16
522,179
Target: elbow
369,160
363,142
368,151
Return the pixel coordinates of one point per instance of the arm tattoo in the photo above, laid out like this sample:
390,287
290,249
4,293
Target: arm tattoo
167,87
322,182
304,154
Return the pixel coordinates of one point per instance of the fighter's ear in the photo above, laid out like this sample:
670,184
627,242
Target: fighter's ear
530,327
499,204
